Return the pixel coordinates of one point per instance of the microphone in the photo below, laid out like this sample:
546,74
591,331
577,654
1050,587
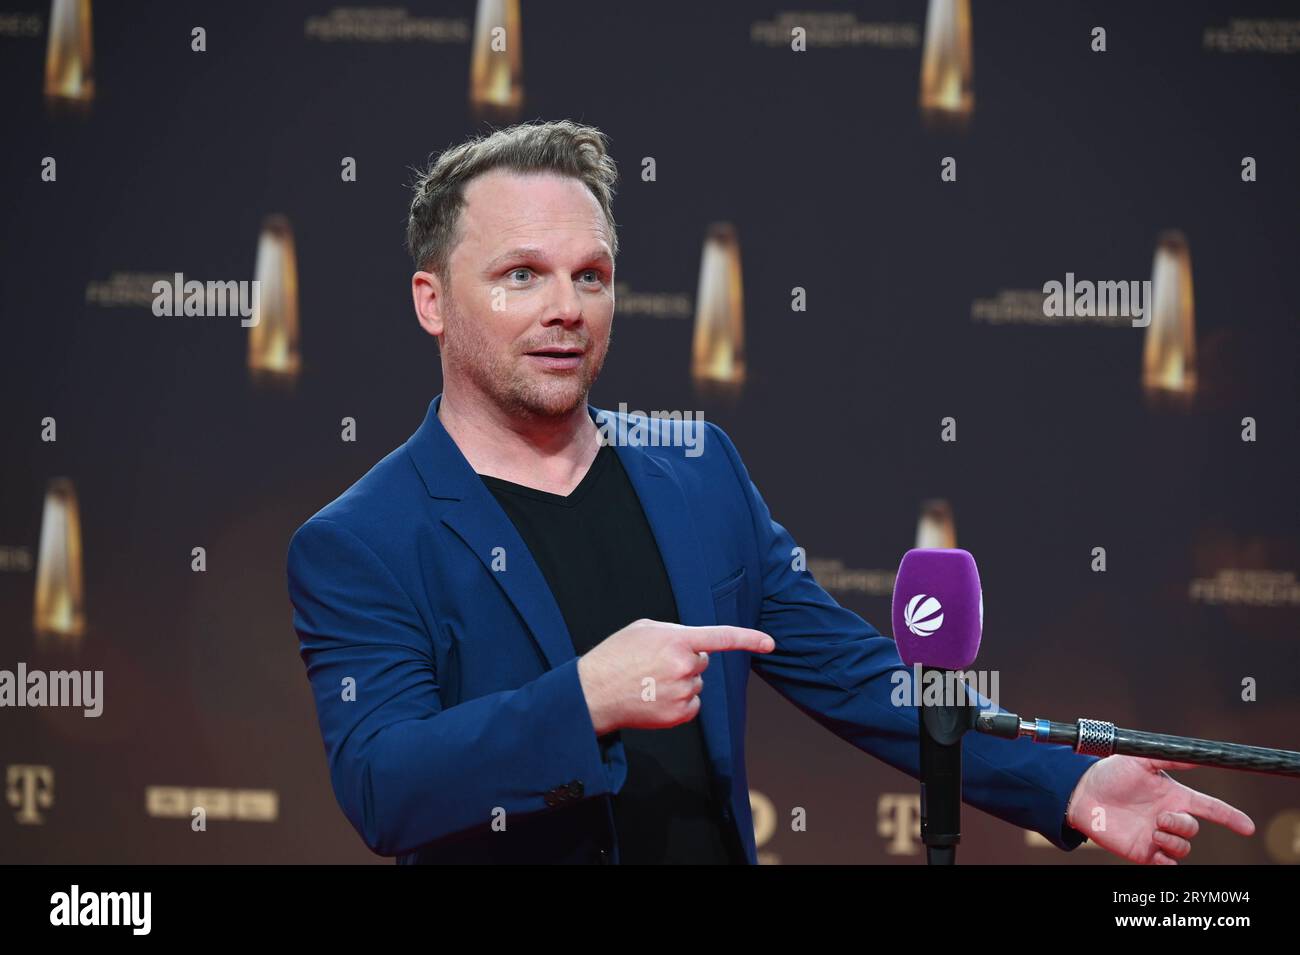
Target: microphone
1100,738
938,616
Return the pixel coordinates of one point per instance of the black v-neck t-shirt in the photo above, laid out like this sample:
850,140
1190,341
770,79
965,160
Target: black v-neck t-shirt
598,554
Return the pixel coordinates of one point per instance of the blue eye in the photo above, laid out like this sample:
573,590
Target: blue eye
526,273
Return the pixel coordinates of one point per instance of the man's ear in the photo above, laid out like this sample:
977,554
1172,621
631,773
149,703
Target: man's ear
427,296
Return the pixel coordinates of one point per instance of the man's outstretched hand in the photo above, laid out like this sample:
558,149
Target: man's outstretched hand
1149,818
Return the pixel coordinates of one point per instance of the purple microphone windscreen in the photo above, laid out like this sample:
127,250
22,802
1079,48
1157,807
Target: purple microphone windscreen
938,608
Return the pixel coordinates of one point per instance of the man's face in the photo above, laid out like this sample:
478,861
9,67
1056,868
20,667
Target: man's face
527,323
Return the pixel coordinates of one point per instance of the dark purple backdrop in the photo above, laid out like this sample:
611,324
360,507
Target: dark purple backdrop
1073,161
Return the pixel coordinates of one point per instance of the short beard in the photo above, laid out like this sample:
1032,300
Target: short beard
498,376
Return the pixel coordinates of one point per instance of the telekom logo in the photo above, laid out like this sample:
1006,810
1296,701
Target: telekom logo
924,615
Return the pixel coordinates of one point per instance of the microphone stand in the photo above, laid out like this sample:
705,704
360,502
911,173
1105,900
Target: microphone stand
941,729
1099,738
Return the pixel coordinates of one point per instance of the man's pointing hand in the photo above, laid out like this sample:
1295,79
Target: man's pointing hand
648,675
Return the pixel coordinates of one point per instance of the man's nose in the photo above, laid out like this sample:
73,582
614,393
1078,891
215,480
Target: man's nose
564,306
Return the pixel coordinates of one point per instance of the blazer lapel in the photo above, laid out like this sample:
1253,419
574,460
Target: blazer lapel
474,515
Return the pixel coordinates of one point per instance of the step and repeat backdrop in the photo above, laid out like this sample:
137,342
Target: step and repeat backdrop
1016,277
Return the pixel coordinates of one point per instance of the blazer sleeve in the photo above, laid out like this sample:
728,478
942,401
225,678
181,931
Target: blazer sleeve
407,772
840,670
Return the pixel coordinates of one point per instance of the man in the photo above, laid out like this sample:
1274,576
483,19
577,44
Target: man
530,644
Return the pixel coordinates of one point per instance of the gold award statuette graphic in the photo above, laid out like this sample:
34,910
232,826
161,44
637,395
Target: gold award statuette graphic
69,57
947,90
1169,349
59,618
718,349
936,527
273,336
496,72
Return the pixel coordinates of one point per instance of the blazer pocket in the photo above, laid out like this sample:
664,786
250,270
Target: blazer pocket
726,597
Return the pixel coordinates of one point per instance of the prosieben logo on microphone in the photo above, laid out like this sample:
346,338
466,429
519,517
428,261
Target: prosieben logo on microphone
938,618
923,615
935,610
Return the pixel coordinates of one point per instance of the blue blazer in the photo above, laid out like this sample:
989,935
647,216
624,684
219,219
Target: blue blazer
447,691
